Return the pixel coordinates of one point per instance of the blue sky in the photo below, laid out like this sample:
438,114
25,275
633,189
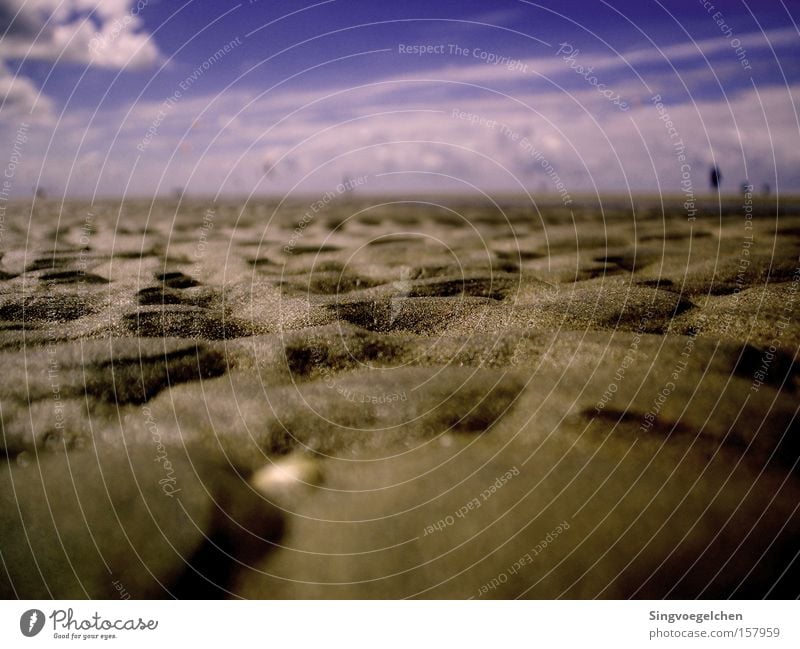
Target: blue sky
290,97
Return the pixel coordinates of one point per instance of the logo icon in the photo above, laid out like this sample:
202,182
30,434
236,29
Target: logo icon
31,622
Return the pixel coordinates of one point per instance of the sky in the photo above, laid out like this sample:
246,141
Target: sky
144,98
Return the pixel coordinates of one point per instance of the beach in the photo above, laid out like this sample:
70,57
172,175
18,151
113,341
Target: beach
353,396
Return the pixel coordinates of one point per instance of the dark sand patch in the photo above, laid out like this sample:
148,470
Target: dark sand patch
186,322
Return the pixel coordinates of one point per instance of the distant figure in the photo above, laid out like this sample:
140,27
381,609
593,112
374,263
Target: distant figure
765,189
716,177
745,187
40,193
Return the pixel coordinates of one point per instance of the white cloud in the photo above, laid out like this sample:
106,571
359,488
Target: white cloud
586,140
104,33
553,65
338,131
18,96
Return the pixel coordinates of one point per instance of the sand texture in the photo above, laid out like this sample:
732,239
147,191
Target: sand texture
392,399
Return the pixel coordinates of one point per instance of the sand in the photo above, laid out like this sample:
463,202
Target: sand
393,399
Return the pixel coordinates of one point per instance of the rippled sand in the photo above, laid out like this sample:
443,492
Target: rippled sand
392,399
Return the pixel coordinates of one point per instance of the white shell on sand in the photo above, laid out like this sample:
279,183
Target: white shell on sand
293,471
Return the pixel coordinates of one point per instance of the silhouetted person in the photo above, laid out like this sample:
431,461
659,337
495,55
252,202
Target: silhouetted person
765,189
716,177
